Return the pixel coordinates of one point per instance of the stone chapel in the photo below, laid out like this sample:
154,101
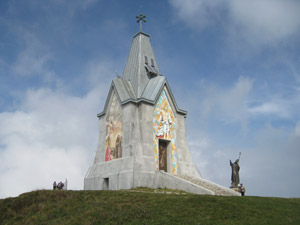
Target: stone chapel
142,139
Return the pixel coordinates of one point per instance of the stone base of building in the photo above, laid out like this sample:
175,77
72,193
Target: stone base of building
155,180
104,176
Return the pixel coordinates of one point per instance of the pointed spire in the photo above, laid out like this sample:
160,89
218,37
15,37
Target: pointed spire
141,64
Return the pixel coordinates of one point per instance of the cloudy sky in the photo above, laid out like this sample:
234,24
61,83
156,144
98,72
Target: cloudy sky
233,65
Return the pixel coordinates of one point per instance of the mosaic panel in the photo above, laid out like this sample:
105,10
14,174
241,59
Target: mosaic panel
113,139
164,127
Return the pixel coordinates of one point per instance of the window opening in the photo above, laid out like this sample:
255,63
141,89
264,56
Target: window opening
152,63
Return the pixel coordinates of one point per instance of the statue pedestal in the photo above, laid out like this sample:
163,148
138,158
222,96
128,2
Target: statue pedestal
235,188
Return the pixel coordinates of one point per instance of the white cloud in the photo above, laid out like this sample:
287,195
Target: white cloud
75,3
52,136
268,167
228,105
276,103
270,108
33,60
198,13
270,151
27,165
99,72
213,160
265,21
233,102
297,130
254,21
244,100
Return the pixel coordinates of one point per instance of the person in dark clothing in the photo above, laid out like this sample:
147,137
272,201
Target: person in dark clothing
243,190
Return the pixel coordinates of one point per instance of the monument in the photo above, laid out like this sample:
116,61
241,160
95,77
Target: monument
235,175
142,141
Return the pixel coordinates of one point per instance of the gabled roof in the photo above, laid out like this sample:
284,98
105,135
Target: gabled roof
152,88
124,89
150,95
141,80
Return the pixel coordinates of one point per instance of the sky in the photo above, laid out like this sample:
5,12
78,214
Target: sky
233,65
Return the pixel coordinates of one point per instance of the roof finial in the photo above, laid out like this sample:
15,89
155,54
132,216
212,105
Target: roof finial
141,19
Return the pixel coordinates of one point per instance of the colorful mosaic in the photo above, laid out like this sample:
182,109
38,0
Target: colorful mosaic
164,127
113,140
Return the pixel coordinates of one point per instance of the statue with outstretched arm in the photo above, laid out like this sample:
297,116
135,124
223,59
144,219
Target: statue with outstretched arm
235,177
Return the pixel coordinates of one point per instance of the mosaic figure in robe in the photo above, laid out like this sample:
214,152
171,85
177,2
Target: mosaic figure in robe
166,122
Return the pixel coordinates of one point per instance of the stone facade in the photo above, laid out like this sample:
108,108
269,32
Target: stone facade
139,162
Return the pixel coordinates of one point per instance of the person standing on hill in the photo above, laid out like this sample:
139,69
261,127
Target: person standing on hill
243,190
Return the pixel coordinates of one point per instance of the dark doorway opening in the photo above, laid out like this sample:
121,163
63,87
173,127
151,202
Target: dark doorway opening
105,184
163,149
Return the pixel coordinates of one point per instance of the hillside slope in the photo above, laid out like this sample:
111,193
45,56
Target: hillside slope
143,206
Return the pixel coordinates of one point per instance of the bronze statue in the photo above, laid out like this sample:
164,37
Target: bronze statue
235,168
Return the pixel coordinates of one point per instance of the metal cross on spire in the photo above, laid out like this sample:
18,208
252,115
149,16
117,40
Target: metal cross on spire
141,19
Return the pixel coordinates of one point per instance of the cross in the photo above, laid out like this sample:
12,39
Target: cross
140,19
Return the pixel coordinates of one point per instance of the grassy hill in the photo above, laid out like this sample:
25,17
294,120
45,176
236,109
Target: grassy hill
143,206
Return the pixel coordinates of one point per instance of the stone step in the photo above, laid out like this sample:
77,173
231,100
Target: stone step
217,189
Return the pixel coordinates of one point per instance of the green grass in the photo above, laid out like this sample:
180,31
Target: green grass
143,206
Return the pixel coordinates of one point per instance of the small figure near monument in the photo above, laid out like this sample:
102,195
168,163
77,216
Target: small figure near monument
60,185
54,185
235,177
242,190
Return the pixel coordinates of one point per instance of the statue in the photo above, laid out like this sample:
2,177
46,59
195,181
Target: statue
235,177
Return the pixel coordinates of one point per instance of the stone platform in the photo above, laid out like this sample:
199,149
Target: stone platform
213,187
